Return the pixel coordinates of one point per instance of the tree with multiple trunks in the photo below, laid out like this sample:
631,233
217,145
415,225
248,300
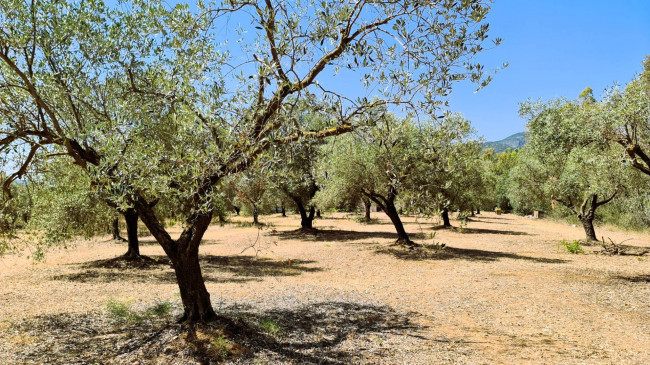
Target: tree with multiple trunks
153,102
566,162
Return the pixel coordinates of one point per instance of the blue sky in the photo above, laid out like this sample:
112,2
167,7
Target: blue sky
555,48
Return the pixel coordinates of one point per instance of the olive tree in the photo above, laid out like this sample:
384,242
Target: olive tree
571,167
154,102
398,158
623,117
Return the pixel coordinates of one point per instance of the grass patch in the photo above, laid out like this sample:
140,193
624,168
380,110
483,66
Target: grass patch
270,326
120,310
573,247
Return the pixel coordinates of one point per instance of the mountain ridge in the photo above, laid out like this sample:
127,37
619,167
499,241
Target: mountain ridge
515,141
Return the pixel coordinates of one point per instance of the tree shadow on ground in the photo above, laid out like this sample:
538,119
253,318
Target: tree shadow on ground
330,235
634,278
467,230
220,269
434,252
320,333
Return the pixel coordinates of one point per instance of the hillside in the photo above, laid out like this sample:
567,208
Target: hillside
517,140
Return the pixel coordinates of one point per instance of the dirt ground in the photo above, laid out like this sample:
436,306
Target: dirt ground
501,290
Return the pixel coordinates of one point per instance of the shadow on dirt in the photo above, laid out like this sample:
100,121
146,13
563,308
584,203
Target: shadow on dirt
333,235
220,269
431,252
480,231
634,278
321,333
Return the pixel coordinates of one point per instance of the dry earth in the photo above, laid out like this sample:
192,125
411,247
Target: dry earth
503,290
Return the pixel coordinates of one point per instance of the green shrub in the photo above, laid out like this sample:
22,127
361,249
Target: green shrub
573,247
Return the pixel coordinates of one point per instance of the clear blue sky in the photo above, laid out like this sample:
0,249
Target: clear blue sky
555,48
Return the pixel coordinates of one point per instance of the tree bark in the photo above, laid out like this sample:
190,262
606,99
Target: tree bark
586,212
131,218
318,213
588,225
445,218
367,205
391,212
284,211
184,255
306,218
256,215
194,295
478,210
237,209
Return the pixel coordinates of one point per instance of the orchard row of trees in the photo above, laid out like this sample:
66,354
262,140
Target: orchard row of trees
583,157
166,115
155,110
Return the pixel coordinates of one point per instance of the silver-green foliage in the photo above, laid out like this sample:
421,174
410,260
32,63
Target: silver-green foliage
397,157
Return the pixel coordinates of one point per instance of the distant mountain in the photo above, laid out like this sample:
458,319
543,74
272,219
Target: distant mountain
517,140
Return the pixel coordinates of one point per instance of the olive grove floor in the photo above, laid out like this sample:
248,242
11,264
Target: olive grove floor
501,290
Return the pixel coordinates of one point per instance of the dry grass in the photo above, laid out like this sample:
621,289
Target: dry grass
500,290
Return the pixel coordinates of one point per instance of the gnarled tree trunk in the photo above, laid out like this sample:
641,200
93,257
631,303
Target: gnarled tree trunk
184,255
588,225
587,212
194,295
306,217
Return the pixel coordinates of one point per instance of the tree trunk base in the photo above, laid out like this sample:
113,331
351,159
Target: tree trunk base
205,316
406,243
308,230
134,256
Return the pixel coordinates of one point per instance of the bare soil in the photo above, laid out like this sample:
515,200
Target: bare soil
501,289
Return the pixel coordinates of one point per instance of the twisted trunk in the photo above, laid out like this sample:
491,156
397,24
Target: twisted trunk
586,212
184,255
194,295
588,225
306,217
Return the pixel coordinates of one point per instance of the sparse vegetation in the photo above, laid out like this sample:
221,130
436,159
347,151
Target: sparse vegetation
271,326
573,247
121,310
